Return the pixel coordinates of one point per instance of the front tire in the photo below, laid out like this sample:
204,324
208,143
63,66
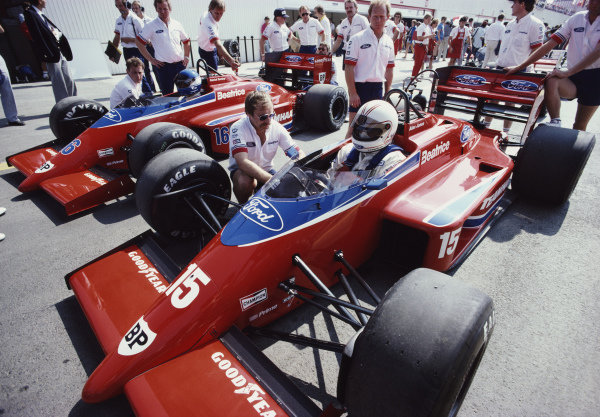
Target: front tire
176,170
419,351
325,107
157,138
550,163
71,116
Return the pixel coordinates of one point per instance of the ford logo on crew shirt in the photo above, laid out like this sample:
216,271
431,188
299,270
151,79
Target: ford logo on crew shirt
159,31
365,46
519,85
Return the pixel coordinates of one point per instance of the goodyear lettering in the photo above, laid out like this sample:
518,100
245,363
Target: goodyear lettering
178,176
83,106
182,134
488,201
52,152
437,151
229,94
149,272
284,116
254,393
95,179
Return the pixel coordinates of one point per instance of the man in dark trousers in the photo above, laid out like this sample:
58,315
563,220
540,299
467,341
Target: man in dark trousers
52,47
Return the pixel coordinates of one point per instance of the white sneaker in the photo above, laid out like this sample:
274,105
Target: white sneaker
553,122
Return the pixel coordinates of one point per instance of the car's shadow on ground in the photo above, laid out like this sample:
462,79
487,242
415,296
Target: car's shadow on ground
90,355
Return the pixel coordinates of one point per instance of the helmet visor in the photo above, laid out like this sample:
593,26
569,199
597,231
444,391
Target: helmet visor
367,129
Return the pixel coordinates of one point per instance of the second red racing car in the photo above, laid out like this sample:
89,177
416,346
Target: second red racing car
179,346
97,151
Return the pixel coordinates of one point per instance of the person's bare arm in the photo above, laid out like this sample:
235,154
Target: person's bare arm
250,168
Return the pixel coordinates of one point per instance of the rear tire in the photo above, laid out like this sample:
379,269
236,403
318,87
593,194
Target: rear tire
157,138
175,170
325,107
550,163
419,351
71,116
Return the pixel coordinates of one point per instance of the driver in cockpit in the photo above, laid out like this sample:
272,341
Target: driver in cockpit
129,86
373,130
188,83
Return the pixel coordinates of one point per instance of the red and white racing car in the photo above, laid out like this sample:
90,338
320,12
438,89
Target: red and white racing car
172,321
97,151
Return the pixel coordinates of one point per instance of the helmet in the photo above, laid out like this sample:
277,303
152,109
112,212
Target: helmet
188,82
374,126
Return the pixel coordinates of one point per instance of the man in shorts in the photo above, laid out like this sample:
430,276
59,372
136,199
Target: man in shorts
580,80
253,144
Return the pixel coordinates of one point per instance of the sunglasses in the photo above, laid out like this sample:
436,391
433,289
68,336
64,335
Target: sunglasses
304,14
264,117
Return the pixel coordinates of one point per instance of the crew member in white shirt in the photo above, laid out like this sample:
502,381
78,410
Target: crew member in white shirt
277,33
324,21
210,47
580,79
350,26
422,38
369,61
399,32
166,36
131,85
253,144
492,37
310,31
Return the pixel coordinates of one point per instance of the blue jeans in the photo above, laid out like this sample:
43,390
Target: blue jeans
166,76
6,93
211,57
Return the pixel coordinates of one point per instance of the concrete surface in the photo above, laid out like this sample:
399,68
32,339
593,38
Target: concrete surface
540,265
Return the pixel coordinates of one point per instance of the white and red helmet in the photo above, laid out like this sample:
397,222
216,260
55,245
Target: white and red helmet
374,126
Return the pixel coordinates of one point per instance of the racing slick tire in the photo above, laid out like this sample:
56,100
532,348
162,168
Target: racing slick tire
419,352
157,138
325,107
550,163
71,116
175,170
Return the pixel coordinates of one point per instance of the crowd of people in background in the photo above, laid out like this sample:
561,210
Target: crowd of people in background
160,47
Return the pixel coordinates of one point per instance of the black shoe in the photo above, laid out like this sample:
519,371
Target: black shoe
16,123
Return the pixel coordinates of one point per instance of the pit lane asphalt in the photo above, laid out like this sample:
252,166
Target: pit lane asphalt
540,265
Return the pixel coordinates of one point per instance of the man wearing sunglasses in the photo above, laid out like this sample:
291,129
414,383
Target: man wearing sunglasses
253,143
310,31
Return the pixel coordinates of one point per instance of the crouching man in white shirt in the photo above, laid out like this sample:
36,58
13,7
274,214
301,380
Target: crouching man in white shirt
253,143
131,85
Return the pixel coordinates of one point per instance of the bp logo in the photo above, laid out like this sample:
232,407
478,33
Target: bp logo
519,85
468,79
137,339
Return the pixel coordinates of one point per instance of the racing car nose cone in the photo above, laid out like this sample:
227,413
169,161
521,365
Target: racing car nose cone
98,389
28,184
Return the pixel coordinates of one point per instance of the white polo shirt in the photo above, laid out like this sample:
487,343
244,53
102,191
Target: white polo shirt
423,30
582,36
519,40
308,32
208,32
277,36
401,29
128,28
324,21
124,88
390,28
346,29
494,32
370,56
165,39
243,138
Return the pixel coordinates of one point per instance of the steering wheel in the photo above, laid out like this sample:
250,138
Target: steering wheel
395,97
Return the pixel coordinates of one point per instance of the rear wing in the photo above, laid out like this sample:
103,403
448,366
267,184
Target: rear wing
227,377
306,69
483,92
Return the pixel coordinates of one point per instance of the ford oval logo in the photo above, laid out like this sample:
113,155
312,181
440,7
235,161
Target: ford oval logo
311,59
293,58
466,134
365,46
263,87
467,79
519,85
263,213
113,115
